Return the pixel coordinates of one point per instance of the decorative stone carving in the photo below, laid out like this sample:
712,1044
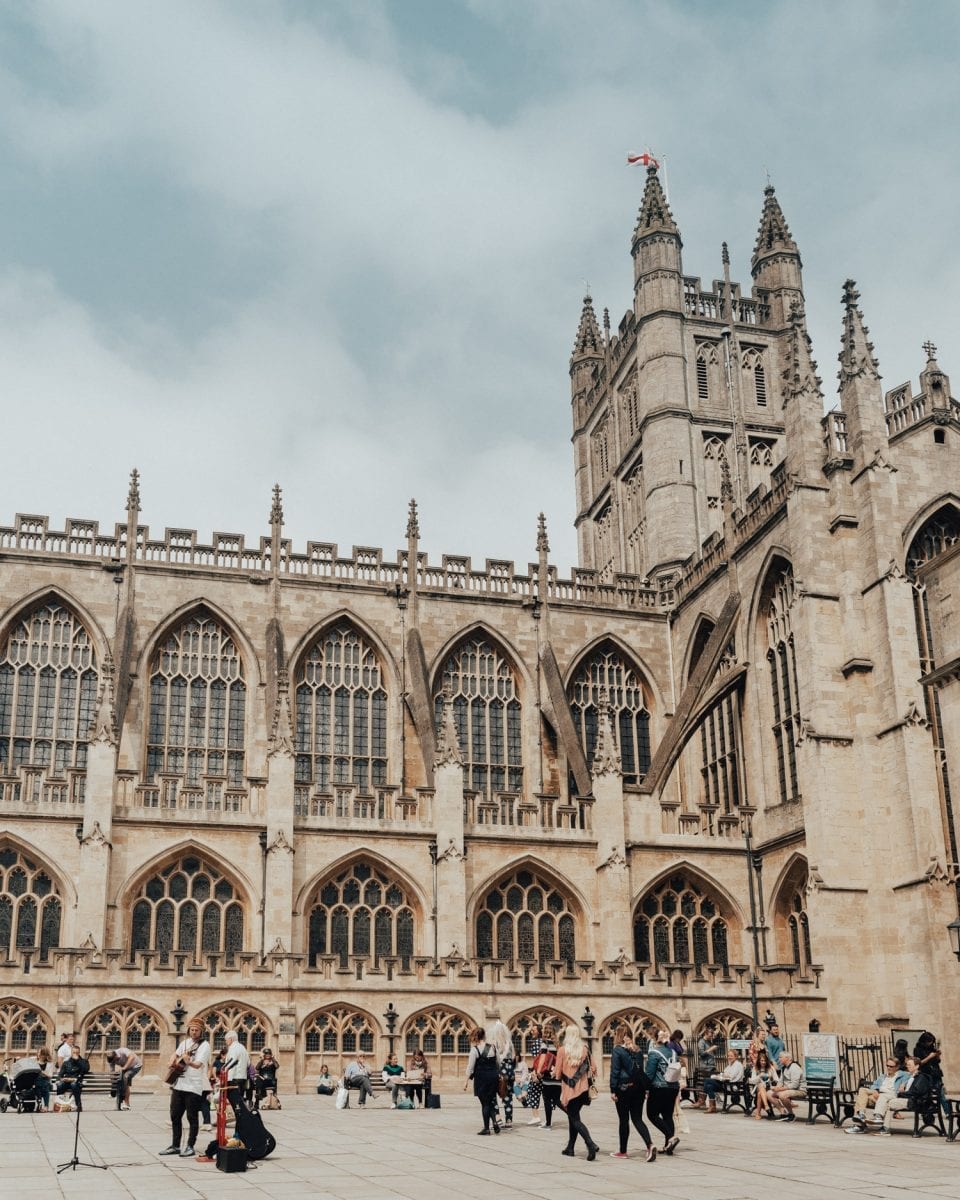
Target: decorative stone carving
448,746
281,733
913,716
280,843
606,755
937,872
452,853
95,837
616,862
104,728
814,881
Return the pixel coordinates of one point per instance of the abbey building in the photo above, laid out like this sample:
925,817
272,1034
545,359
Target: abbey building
359,801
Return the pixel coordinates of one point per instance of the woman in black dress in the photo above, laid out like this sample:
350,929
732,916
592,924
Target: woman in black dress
483,1067
628,1087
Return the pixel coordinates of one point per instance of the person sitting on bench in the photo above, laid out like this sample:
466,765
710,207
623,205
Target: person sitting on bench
877,1097
358,1076
732,1073
913,1095
792,1086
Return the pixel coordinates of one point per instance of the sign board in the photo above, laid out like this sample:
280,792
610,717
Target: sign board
741,1044
821,1056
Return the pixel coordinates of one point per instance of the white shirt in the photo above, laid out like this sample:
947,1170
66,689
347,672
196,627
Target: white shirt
236,1061
194,1079
64,1051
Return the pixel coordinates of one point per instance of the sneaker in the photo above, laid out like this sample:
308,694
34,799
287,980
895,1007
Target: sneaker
206,1128
546,1128
884,1133
618,1154
876,1120
170,1150
508,1124
790,1117
189,1152
535,1121
671,1145
123,1108
393,1106
853,1129
651,1155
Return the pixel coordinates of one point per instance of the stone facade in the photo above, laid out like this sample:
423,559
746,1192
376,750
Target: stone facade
338,801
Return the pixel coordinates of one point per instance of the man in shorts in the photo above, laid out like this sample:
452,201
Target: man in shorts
129,1065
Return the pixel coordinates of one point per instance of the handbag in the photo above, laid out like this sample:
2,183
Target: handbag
502,1087
343,1097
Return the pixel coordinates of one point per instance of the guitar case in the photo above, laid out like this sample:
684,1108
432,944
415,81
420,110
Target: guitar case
251,1130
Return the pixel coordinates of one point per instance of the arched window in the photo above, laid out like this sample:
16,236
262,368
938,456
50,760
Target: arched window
340,1031
526,919
677,922
363,911
708,372
608,668
631,408
249,1025
189,907
791,923
720,757
714,458
642,1026
754,377
761,462
729,1024
48,693
123,1024
195,737
341,718
22,1029
521,1027
486,712
443,1034
782,662
30,907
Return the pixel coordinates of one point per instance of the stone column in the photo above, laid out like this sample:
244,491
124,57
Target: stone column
278,892
613,876
95,849
450,888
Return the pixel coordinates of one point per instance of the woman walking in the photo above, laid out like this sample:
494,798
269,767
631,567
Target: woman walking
483,1068
628,1088
576,1071
533,1090
545,1066
503,1044
663,1073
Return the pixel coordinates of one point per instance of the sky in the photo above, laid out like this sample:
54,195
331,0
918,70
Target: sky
342,246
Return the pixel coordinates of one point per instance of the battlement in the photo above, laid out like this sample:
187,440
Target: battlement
712,306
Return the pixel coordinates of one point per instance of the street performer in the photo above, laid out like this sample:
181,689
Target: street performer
187,1076
236,1065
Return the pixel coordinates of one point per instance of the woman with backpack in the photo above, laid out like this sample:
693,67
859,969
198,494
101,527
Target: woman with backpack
663,1074
628,1089
483,1067
503,1044
544,1066
576,1071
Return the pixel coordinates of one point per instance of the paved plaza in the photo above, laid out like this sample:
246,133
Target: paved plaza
379,1154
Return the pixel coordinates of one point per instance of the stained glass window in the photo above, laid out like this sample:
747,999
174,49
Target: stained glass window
607,668
487,716
514,912
341,713
48,692
198,699
345,909
166,912
662,921
782,663
30,906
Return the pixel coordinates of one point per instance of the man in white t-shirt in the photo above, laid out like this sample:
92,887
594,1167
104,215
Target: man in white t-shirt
193,1054
65,1048
236,1063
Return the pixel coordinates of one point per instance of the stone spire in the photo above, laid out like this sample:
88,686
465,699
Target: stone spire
588,342
606,756
934,384
413,521
448,744
133,513
133,493
654,215
856,355
276,529
773,236
276,508
802,401
543,546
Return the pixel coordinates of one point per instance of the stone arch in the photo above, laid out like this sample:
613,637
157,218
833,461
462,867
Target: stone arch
24,1027
363,906
729,1021
726,897
125,890
703,627
57,595
685,917
526,914
497,637
347,860
542,868
127,1023
521,1025
335,1032
641,1022
173,620
251,1025
638,662
442,1032
63,881
946,502
316,631
776,558
788,908
31,903
186,901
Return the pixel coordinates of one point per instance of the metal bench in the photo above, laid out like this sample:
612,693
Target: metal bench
820,1100
736,1095
953,1117
930,1115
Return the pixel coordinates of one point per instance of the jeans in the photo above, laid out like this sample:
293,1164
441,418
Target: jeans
576,1126
180,1103
551,1101
488,1103
363,1084
660,1102
630,1108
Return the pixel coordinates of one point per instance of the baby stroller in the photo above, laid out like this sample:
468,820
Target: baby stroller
22,1082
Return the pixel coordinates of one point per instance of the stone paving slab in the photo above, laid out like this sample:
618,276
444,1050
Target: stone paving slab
380,1154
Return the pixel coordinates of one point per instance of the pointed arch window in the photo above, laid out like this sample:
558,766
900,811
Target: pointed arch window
195,735
627,697
341,713
708,371
187,908
22,1029
487,715
442,1034
782,663
362,911
754,377
340,1031
678,921
249,1025
31,907
714,458
526,919
48,693
123,1025
720,757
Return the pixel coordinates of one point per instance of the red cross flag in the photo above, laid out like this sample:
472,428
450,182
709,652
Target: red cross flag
645,160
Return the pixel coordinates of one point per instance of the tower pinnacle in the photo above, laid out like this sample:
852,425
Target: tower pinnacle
856,351
654,215
588,342
774,235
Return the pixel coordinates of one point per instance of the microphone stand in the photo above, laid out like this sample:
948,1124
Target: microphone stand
75,1162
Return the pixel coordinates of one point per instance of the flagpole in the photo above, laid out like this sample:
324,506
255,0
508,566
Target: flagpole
666,184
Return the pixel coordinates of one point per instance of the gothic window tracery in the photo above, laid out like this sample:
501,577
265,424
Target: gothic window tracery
761,462
729,1024
601,451
341,713
608,668
363,910
782,663
631,408
48,692
714,457
195,735
340,1031
443,1034
487,715
123,1024
521,1027
754,376
642,1025
678,921
708,371
526,919
248,1024
31,907
188,907
719,756
22,1029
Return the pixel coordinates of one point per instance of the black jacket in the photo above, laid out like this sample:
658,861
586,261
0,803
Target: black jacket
920,1091
626,1069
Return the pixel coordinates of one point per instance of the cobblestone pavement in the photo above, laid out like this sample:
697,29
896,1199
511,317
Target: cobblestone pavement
379,1154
